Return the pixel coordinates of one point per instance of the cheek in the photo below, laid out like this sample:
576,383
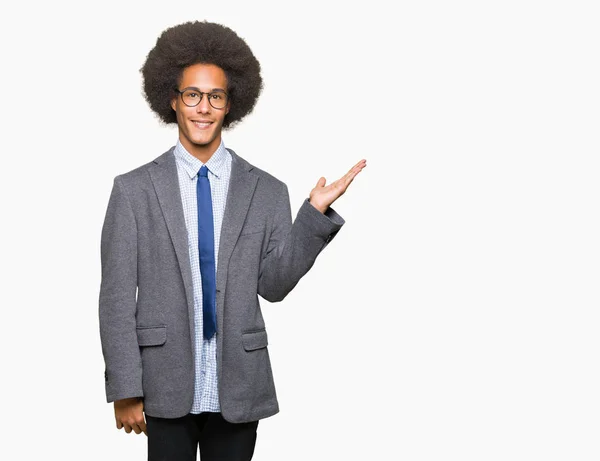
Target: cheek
182,115
179,118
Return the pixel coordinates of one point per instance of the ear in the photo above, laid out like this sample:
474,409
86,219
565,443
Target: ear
228,107
174,104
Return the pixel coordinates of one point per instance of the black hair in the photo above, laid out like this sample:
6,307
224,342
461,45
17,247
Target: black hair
201,42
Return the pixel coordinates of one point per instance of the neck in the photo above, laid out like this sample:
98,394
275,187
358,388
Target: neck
202,152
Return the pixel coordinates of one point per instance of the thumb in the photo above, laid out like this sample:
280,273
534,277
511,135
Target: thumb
321,182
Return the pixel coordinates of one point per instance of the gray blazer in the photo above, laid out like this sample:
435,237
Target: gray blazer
146,303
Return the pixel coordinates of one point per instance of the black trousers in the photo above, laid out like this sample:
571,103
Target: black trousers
178,439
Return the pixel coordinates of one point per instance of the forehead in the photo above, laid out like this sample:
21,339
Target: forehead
204,77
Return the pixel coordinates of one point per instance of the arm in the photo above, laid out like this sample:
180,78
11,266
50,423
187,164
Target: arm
117,304
293,248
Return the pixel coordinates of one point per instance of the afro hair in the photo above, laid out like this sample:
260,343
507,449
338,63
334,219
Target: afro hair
201,42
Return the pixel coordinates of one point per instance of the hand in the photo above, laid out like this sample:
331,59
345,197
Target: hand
129,414
322,196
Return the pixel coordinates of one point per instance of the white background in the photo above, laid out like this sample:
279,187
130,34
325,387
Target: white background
457,310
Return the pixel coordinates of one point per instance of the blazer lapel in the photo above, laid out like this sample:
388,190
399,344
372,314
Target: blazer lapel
163,172
239,196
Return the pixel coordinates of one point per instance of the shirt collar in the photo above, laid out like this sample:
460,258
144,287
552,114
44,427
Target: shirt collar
215,164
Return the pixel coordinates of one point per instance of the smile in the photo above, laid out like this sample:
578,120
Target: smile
201,125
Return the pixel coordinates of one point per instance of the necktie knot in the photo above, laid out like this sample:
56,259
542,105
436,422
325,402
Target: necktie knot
203,172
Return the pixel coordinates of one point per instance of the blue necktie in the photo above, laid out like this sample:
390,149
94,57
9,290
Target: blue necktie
206,251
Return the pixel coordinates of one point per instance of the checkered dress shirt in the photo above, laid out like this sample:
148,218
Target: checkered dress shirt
206,394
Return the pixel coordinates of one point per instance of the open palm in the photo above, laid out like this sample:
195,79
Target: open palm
322,196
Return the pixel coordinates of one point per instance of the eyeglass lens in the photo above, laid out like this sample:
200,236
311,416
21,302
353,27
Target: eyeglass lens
217,99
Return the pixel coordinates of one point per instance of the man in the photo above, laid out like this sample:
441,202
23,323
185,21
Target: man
190,240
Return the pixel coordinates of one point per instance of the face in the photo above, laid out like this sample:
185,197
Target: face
200,126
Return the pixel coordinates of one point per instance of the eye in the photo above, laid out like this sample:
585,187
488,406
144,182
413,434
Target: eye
192,94
216,96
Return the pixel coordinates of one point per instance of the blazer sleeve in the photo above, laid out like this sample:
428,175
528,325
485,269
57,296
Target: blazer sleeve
117,303
294,247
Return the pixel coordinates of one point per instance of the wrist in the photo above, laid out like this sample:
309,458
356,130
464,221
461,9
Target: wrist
322,208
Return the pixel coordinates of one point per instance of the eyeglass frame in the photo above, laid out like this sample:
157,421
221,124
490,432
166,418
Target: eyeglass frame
202,93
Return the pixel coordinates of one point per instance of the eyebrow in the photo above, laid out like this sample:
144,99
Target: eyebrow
199,90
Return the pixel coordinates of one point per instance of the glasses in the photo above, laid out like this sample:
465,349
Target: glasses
191,97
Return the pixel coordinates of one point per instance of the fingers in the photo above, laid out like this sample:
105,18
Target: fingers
138,428
359,166
345,180
349,177
356,169
134,424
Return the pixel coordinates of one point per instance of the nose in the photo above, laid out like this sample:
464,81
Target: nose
204,106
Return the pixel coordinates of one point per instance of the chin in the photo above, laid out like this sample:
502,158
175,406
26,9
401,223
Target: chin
202,141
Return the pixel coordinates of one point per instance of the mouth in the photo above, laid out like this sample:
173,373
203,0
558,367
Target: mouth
201,124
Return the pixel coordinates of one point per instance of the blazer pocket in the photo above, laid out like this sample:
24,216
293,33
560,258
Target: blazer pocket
152,336
255,340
